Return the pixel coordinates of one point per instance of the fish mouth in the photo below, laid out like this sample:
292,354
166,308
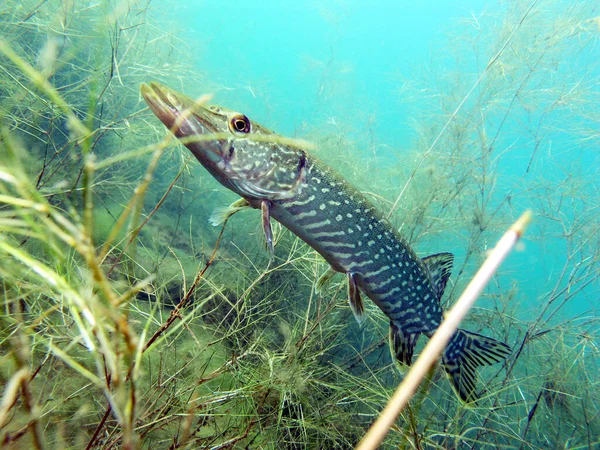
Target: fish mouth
182,115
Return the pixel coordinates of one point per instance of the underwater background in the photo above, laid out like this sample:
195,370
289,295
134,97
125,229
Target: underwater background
129,321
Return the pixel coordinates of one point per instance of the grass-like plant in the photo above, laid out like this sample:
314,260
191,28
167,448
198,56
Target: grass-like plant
127,322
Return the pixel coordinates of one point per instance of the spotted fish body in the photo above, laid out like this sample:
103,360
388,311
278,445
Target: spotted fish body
353,236
306,196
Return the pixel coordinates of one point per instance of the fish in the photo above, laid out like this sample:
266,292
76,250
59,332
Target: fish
279,177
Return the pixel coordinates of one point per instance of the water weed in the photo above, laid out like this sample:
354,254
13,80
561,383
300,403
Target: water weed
128,321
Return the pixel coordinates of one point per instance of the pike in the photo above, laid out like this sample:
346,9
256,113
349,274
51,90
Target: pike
286,183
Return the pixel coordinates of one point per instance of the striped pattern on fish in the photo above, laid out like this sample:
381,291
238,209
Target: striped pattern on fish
351,234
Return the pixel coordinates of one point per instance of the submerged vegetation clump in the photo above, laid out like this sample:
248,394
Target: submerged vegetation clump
127,321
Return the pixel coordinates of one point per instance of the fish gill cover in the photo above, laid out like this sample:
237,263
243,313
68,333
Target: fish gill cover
129,321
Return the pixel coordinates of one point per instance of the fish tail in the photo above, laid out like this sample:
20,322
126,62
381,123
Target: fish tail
465,352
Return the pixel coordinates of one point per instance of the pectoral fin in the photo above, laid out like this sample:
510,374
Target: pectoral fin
265,207
221,215
354,298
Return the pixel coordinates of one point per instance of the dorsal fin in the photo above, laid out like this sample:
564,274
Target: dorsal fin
439,266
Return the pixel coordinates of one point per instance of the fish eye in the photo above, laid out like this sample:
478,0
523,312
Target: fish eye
240,124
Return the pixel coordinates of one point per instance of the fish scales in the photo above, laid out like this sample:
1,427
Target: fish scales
335,219
298,190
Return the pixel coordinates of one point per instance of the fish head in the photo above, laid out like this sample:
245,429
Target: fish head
247,158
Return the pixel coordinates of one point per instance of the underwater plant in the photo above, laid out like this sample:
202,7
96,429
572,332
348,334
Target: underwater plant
127,321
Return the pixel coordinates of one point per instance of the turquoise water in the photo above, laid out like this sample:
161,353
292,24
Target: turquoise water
363,71
296,63
522,82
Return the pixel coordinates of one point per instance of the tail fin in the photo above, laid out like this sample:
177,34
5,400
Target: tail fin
465,352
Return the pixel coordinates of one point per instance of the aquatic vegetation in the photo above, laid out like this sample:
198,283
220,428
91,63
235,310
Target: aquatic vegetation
127,321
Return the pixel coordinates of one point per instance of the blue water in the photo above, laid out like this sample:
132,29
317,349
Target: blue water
294,62
297,67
